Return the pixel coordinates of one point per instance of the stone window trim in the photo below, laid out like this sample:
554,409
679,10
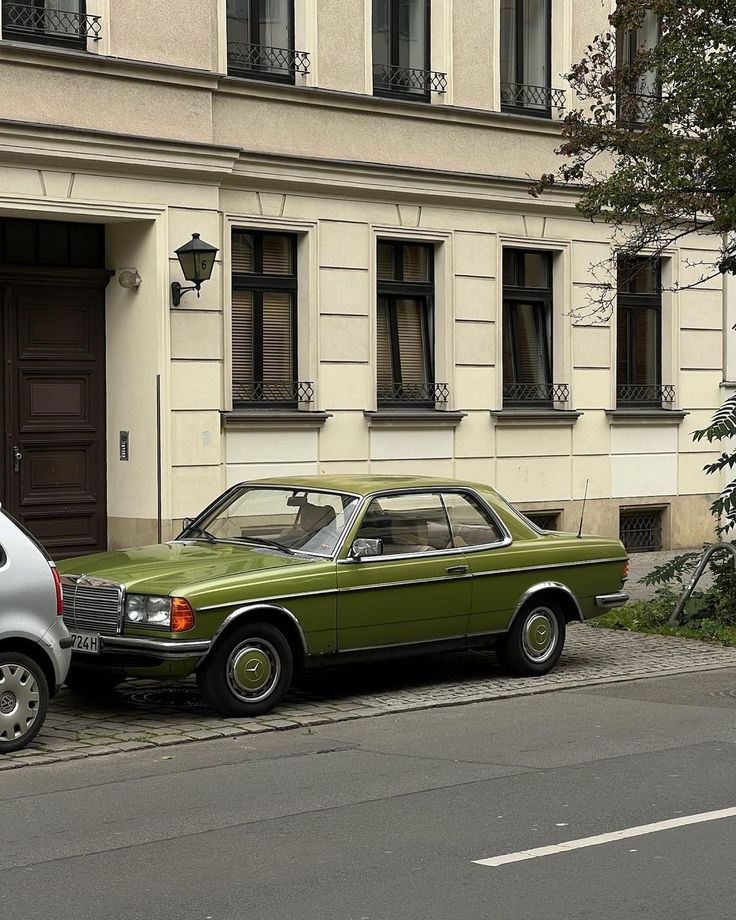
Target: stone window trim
413,418
269,419
646,416
535,418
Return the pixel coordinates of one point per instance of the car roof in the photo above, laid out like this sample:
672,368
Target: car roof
365,484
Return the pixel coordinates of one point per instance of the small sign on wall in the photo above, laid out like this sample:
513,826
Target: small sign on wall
125,445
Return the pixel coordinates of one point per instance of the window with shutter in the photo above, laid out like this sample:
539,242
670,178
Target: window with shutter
527,328
405,348
264,340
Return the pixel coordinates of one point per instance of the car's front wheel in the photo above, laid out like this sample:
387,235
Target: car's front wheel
535,640
24,700
248,671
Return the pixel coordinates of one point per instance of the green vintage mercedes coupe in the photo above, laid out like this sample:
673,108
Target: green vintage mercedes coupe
285,574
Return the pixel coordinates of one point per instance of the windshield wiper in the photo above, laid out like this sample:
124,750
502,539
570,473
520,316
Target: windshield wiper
262,541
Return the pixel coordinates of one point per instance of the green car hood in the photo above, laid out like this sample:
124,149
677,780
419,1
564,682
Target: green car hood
180,568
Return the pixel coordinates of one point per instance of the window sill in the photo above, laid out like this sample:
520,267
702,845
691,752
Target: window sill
273,418
534,418
413,418
646,415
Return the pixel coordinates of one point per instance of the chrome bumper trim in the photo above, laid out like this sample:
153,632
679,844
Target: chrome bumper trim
611,600
157,648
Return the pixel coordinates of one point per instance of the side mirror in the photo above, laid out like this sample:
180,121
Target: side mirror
364,547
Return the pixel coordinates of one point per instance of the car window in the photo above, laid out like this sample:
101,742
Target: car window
412,523
472,524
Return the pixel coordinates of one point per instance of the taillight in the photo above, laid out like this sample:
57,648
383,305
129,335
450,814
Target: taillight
182,615
59,592
626,570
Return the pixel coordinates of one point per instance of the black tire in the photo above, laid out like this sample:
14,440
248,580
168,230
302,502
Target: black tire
92,681
24,700
248,671
535,641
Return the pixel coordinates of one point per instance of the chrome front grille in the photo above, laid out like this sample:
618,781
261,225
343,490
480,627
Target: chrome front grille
92,604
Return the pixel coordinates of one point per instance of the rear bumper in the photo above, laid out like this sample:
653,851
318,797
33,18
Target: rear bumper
607,601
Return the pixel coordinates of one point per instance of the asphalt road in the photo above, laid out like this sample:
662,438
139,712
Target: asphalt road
384,818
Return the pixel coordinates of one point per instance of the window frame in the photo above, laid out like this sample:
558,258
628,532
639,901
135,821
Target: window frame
394,36
630,303
258,283
391,292
255,41
627,48
520,51
514,295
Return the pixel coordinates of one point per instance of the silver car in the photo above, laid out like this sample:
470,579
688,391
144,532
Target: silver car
34,643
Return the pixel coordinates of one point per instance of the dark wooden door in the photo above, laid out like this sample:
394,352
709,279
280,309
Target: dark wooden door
54,465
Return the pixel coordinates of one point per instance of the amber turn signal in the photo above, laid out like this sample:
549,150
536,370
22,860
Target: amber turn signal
626,569
182,615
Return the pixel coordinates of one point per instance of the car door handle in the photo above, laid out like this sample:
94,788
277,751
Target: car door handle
456,569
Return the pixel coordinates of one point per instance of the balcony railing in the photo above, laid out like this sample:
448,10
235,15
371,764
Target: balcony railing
285,392
636,109
536,99
635,394
414,393
535,393
49,25
407,81
264,62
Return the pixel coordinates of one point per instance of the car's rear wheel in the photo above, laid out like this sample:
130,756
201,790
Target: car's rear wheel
535,640
24,700
92,681
248,671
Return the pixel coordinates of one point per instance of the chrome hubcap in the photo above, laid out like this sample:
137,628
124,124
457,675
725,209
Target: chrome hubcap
540,634
253,670
19,701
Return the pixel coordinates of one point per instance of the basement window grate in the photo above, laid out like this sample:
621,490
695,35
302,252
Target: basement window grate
640,529
544,520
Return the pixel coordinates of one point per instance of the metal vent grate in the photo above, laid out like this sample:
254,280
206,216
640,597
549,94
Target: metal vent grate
640,529
545,520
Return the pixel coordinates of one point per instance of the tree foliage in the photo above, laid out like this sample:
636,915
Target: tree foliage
658,164
651,146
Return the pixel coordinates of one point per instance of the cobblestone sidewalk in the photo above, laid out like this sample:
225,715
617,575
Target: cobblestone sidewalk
141,714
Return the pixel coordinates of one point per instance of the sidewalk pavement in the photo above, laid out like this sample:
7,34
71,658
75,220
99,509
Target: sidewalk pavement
641,564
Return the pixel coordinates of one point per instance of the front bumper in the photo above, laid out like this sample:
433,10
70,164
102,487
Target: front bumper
166,649
608,601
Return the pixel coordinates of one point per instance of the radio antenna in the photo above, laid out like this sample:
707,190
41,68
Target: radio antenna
582,512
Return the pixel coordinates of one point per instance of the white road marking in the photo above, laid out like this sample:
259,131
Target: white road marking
611,837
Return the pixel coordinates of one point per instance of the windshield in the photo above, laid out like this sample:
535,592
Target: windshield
287,519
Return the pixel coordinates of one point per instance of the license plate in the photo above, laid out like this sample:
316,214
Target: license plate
86,642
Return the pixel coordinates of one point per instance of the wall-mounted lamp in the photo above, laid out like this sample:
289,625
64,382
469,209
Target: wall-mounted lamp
197,259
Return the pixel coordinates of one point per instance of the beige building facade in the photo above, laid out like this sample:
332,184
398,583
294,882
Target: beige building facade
386,297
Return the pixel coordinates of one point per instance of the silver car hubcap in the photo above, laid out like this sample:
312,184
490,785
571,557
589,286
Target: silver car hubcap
19,701
540,634
253,670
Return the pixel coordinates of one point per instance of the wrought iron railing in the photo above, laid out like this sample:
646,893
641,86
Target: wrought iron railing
273,391
27,22
637,108
535,392
414,393
250,60
638,394
640,530
408,80
528,96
